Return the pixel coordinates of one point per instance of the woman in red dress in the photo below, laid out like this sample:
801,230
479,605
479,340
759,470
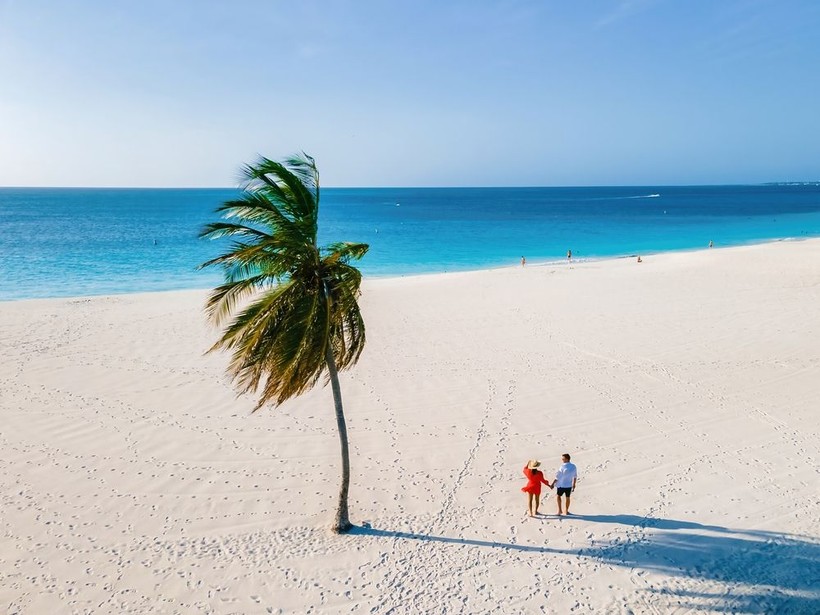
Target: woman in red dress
535,478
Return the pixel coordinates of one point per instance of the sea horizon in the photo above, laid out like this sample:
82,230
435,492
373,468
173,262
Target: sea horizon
71,242
430,187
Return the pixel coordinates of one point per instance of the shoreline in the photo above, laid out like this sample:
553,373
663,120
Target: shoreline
558,263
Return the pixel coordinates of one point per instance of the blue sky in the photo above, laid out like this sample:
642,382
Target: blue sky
390,93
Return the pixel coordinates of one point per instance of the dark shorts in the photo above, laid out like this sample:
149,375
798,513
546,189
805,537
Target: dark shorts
564,491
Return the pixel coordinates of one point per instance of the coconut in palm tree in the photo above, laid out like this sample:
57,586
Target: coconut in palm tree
288,308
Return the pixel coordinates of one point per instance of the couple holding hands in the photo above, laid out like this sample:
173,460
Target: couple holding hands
565,479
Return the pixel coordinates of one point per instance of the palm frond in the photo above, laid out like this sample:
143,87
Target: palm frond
284,301
276,340
218,230
345,251
304,167
240,253
222,301
299,358
246,321
281,185
247,337
348,334
255,207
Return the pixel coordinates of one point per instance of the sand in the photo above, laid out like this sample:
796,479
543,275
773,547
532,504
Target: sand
134,480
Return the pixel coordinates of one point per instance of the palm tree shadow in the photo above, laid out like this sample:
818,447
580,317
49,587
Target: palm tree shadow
727,570
757,571
366,530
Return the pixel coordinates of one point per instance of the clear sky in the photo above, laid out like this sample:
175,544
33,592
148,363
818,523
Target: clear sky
410,93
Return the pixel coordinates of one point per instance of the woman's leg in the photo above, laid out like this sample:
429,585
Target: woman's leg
530,496
537,502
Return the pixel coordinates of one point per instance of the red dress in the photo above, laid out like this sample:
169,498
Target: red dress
534,480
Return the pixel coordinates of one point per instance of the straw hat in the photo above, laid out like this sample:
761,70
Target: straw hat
532,464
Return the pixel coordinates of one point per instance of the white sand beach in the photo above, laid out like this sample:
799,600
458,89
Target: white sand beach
686,388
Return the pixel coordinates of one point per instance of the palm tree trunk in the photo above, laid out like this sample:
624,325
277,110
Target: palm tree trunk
342,521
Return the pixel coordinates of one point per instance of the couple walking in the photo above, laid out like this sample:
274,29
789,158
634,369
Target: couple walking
565,479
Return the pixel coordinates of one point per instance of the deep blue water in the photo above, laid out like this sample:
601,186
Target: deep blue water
69,242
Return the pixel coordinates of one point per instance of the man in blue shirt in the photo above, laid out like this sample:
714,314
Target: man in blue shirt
565,479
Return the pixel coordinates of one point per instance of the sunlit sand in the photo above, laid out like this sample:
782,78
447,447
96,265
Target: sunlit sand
685,387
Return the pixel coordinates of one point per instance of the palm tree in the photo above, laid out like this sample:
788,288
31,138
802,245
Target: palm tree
291,306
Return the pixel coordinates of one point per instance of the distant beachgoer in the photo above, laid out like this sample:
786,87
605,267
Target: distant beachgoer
523,261
639,258
710,243
535,478
569,255
565,479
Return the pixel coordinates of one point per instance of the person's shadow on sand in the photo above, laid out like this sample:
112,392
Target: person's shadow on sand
649,522
768,572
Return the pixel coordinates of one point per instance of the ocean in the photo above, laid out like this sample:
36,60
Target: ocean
59,242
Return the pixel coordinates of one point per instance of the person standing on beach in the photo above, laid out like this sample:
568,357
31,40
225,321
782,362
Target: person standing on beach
535,478
523,261
569,256
565,479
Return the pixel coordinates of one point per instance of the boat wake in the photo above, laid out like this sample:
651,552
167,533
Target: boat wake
623,198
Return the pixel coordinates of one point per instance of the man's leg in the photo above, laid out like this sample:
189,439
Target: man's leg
566,506
558,499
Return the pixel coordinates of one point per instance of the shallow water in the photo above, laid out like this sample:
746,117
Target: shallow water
67,242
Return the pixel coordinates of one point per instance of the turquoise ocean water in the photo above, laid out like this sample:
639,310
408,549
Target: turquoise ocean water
69,242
